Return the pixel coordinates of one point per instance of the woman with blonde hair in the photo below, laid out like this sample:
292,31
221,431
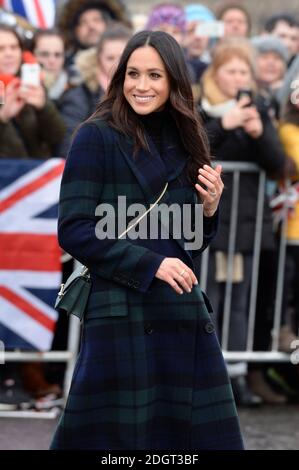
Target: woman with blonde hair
239,130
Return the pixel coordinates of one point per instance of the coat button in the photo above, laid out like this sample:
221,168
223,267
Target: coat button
148,329
209,327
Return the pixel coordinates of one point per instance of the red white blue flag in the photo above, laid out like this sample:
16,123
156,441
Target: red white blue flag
30,267
40,13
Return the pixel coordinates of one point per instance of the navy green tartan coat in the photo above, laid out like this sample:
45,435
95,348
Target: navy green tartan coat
150,374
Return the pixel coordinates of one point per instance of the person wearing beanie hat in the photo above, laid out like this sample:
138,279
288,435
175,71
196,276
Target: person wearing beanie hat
170,18
271,61
198,12
269,43
197,46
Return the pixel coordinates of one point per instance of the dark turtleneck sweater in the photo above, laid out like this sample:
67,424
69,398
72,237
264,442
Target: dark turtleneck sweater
153,124
162,129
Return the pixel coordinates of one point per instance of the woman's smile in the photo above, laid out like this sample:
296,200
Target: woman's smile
143,99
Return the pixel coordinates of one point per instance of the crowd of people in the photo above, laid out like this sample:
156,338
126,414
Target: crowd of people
260,125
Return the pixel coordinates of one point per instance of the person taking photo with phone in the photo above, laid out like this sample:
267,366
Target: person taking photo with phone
239,130
30,125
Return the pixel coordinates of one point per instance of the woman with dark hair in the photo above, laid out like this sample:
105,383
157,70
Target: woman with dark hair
48,48
150,373
30,125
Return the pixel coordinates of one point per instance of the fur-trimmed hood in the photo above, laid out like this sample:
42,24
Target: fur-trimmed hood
69,12
87,64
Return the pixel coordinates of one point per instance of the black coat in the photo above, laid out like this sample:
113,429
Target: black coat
266,151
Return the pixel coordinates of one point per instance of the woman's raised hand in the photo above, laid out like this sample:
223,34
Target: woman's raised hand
238,115
210,196
33,95
177,274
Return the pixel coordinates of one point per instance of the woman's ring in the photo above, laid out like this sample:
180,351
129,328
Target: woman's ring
213,193
181,274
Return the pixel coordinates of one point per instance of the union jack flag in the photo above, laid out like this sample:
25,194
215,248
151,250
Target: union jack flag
40,13
30,268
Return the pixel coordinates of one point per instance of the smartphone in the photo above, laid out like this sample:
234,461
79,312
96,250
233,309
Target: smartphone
210,29
30,74
245,92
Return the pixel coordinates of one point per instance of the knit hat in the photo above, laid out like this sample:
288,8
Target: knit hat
167,13
198,12
269,43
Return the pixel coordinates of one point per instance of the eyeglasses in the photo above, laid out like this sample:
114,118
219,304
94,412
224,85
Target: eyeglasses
47,54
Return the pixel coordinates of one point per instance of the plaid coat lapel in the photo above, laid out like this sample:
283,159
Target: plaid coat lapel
148,167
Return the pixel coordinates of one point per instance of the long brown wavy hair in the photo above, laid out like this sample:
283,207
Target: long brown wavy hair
116,110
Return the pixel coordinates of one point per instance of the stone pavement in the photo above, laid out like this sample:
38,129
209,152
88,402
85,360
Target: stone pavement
267,428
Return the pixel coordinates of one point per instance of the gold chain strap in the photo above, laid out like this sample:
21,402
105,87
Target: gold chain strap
146,212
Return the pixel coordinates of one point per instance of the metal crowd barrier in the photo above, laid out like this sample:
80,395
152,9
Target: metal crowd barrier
69,357
273,355
249,355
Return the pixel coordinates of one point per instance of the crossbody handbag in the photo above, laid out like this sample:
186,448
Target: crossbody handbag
73,295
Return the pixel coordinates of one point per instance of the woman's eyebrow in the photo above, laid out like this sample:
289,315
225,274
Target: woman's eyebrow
155,69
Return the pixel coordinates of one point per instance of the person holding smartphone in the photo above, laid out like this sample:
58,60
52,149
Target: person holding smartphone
239,130
30,126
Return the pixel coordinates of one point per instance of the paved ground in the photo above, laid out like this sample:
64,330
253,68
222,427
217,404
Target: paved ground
271,428
267,428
